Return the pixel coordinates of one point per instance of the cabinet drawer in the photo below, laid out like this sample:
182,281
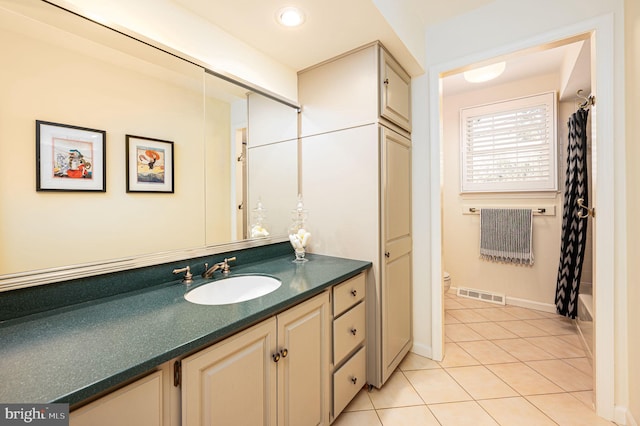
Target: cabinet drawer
348,293
348,380
348,332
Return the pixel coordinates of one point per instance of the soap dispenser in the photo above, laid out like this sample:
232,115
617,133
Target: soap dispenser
299,234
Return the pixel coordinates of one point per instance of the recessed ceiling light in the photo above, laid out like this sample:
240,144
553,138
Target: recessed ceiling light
290,16
487,73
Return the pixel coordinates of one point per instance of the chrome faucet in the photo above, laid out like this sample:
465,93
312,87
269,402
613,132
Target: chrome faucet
224,266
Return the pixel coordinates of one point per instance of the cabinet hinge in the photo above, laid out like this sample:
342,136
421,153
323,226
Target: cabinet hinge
177,373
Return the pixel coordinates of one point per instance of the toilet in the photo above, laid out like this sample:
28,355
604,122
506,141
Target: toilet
446,282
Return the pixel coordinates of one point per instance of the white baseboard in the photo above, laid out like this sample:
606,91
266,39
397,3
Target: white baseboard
523,303
624,417
422,350
530,304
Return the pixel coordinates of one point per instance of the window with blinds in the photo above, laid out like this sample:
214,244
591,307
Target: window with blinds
510,146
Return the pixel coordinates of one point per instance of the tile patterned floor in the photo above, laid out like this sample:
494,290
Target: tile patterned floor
503,365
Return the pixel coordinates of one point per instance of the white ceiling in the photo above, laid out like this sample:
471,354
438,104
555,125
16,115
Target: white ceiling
534,63
333,27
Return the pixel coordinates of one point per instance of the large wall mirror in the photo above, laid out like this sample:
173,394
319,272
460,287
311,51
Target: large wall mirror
234,146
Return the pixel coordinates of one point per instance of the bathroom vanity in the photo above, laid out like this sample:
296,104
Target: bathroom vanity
149,354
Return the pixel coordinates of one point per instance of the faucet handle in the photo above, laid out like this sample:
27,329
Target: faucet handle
188,276
225,266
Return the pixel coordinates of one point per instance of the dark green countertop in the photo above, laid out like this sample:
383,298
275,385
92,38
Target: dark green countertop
72,354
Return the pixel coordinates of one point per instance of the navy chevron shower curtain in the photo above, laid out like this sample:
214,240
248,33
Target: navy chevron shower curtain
574,228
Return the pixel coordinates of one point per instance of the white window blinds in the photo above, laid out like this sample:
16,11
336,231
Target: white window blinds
510,145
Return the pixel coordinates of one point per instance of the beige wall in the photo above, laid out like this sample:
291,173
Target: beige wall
632,68
461,232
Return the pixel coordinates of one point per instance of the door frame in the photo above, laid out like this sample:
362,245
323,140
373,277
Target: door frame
602,36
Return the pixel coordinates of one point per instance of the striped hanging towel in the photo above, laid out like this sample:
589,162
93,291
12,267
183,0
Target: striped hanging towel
506,235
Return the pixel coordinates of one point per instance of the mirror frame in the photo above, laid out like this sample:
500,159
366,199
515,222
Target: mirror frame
25,279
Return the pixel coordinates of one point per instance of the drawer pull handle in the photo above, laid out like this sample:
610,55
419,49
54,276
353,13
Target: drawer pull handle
354,293
387,254
386,81
354,380
284,352
276,357
354,331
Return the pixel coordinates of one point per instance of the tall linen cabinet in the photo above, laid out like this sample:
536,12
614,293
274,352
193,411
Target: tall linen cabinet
355,153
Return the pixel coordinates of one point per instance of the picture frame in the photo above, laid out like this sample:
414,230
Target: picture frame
70,158
149,165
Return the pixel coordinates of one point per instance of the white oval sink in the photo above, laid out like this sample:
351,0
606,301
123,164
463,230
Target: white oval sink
234,289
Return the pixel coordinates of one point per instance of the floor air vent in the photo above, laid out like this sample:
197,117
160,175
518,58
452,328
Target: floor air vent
485,296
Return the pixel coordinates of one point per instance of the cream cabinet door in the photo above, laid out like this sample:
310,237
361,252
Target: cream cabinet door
303,367
395,91
137,404
232,382
396,220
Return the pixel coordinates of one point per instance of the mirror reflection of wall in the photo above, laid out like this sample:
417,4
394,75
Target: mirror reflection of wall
272,156
68,70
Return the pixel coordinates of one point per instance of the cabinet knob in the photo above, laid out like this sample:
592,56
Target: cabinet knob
354,331
354,293
354,380
276,357
284,352
387,254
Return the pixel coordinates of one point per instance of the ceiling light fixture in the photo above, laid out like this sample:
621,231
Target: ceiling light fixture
487,73
290,16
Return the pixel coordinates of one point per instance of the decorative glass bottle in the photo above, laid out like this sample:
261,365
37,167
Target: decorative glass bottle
259,224
298,231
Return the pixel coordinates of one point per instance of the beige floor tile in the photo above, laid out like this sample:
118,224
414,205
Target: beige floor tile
586,397
468,315
495,314
487,352
566,410
523,350
524,379
450,304
472,303
462,414
416,362
554,327
361,402
436,386
481,383
515,411
522,329
450,319
557,347
358,418
461,333
523,313
582,364
455,356
562,374
407,416
572,339
396,392
491,330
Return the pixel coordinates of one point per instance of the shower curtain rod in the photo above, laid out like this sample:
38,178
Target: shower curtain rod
588,100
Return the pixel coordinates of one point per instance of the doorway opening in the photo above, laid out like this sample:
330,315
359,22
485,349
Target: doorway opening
603,347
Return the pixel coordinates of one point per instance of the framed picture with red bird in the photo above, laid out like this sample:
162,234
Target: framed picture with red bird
149,164
69,158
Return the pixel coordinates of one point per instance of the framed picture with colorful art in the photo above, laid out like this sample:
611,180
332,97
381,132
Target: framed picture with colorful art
149,165
70,158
